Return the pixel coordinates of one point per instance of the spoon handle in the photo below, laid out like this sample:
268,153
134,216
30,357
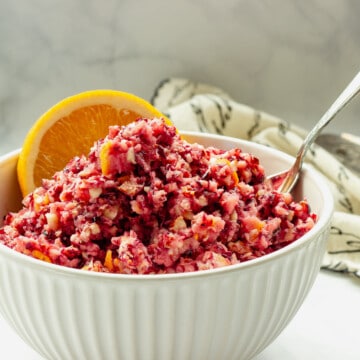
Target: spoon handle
343,99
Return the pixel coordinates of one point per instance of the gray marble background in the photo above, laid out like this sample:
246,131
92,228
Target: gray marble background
287,57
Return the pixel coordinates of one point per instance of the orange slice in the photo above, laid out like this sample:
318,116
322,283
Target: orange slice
70,129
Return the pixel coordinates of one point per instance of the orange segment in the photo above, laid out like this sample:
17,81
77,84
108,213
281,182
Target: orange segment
70,129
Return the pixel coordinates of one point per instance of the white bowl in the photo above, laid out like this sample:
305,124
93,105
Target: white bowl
232,312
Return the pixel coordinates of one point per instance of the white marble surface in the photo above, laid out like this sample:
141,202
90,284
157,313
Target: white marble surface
286,57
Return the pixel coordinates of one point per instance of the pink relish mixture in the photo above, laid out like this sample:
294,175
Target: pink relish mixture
162,205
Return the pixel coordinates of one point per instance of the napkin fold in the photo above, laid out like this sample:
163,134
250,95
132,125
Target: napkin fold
201,107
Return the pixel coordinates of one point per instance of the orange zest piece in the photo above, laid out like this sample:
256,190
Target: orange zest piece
226,162
71,127
41,256
108,262
105,157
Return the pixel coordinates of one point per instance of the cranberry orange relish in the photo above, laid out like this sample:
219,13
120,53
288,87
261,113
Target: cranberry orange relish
145,201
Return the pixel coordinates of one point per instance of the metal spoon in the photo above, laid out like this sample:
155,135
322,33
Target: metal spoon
285,180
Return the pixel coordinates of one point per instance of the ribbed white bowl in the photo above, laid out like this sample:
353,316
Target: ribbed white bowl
227,313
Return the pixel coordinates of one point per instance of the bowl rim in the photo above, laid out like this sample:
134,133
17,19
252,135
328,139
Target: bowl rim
320,225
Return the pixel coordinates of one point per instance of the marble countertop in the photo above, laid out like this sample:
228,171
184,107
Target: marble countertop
288,58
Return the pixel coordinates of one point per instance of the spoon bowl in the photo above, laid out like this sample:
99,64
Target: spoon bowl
285,180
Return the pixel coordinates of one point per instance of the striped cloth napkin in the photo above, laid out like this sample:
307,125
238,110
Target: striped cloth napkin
201,107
